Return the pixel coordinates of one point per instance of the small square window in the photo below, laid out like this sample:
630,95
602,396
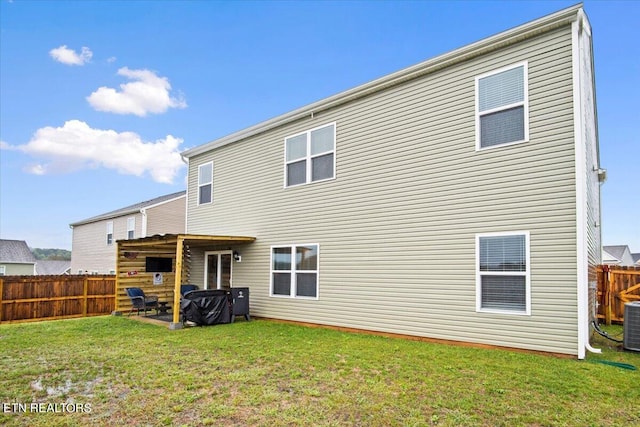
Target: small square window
294,271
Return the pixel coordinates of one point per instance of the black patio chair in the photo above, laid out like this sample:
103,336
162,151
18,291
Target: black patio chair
140,301
184,289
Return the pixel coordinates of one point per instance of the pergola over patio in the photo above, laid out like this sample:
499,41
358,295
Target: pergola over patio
132,263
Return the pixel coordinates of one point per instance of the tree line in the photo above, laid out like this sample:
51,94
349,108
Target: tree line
51,254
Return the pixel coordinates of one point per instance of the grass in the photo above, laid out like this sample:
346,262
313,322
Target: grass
264,373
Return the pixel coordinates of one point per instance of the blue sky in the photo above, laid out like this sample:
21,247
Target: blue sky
98,98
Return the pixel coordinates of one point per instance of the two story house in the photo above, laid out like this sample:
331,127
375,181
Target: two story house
457,199
93,243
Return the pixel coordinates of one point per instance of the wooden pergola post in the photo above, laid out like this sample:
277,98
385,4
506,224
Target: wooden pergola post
116,308
178,281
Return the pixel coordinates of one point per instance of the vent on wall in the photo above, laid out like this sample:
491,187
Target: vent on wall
632,326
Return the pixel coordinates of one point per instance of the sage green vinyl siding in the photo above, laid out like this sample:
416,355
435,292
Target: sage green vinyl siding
397,225
18,269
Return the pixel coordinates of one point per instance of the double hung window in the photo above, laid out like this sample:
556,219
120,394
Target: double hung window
110,233
502,110
131,228
310,156
294,271
205,183
503,272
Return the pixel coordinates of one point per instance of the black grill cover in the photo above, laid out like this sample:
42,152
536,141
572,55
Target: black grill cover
207,307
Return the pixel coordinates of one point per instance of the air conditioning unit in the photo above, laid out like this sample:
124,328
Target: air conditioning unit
632,326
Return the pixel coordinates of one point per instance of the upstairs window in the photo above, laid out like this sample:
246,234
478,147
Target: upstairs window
503,272
131,228
310,156
205,183
294,271
502,112
110,233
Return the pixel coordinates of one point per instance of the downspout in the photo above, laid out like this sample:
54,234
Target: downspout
186,197
578,26
143,211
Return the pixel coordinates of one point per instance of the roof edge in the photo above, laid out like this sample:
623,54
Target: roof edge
137,208
505,38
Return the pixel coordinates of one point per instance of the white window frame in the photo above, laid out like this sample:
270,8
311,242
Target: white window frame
210,182
309,157
131,227
109,233
293,271
526,274
524,103
3,270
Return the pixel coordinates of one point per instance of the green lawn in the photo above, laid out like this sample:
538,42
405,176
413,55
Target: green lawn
264,373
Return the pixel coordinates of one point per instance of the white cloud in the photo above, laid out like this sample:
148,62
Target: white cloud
77,146
147,93
70,57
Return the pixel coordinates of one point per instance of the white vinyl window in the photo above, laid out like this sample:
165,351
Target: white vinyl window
110,233
205,183
3,270
502,107
131,228
294,271
503,269
310,156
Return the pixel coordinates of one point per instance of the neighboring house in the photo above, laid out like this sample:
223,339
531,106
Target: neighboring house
16,258
636,259
617,255
52,267
457,199
93,244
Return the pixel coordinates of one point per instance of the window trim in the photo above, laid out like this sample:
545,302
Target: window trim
109,233
524,103
130,228
526,274
293,271
309,157
210,182
3,270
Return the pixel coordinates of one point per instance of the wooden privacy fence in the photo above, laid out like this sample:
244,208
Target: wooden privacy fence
616,286
32,298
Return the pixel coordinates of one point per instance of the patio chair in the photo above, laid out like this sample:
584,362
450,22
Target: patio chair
140,301
185,289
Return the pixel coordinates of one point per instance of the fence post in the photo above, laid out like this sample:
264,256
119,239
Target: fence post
84,298
607,297
1,291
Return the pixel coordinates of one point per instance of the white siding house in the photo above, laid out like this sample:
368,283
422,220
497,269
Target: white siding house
457,199
93,244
